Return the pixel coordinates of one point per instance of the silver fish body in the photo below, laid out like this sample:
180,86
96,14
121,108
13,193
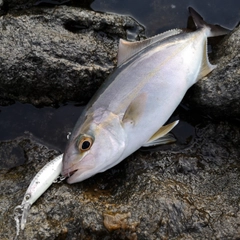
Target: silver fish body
134,103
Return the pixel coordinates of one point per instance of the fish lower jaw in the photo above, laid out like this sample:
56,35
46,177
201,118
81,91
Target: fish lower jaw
68,173
79,175
71,173
72,177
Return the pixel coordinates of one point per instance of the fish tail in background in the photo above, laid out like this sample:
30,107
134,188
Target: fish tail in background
214,30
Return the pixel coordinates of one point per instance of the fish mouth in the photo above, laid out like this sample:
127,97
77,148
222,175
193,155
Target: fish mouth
76,169
69,174
79,174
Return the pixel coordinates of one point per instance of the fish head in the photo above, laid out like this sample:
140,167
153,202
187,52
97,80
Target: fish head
94,148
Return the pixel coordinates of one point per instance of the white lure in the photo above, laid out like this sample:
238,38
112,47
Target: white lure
40,183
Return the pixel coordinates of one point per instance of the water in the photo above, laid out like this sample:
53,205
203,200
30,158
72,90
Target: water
51,125
158,16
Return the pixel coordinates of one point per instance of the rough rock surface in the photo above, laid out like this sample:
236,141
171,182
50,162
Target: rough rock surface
187,190
184,192
25,4
51,55
219,93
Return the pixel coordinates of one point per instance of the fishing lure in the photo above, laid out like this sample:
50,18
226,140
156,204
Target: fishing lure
49,174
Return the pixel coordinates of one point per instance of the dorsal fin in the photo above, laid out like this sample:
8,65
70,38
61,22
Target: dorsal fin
127,49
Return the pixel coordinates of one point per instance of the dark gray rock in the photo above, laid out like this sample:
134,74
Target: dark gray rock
22,150
59,54
186,190
27,4
219,93
190,193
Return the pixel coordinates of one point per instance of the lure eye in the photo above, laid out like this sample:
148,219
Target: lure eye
27,197
85,143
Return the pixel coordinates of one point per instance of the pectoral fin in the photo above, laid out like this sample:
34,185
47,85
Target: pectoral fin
162,136
135,109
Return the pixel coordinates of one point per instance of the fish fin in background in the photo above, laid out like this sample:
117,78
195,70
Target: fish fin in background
214,30
127,49
135,109
162,136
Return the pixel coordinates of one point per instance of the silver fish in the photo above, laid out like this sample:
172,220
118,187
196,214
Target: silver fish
134,103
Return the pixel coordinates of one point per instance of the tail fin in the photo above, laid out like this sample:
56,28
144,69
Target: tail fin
214,30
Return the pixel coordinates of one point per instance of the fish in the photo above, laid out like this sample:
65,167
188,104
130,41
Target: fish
133,104
40,183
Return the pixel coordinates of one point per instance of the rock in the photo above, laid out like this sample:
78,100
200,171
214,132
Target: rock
188,193
59,54
56,59
186,190
22,150
218,94
27,4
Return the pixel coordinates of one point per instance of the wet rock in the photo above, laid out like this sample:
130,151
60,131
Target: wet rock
186,190
191,193
59,54
22,150
218,94
27,4
25,158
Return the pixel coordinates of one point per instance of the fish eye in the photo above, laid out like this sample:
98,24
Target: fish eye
85,143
